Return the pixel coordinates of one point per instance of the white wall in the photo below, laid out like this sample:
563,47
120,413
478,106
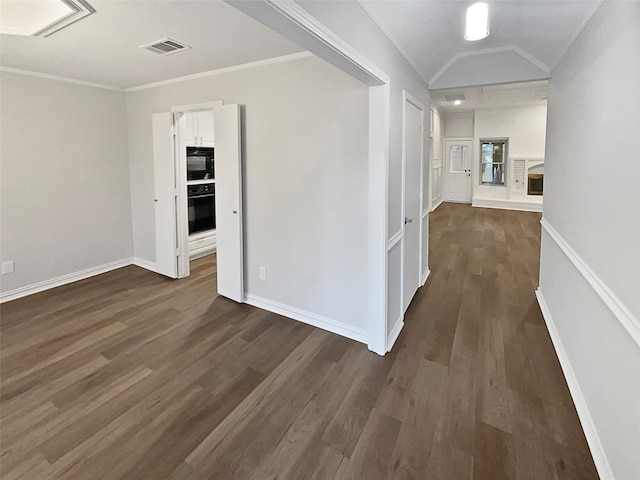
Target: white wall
65,179
352,24
591,202
305,154
526,129
458,124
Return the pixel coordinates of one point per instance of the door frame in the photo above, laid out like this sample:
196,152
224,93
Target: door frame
400,236
448,141
182,217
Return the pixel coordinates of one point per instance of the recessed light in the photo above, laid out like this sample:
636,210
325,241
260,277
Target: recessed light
40,18
477,25
457,102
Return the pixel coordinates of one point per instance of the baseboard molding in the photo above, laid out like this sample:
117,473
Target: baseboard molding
588,425
63,280
628,321
395,332
425,275
309,318
501,204
146,264
438,203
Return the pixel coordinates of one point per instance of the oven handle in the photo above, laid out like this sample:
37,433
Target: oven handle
202,196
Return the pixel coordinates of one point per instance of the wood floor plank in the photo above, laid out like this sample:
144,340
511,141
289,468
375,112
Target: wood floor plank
129,375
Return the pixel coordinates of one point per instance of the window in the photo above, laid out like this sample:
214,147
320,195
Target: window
493,161
458,159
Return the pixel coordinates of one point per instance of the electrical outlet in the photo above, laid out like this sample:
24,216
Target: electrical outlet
262,273
7,267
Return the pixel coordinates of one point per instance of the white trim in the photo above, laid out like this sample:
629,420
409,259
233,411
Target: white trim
146,264
209,73
59,78
506,48
309,318
63,280
303,19
588,425
197,107
504,204
628,321
425,212
394,240
221,71
377,203
425,276
395,332
440,202
293,22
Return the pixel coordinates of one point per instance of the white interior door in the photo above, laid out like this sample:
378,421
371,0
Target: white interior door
229,218
413,131
165,195
458,170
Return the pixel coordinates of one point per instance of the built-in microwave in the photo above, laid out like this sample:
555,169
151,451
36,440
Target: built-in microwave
200,163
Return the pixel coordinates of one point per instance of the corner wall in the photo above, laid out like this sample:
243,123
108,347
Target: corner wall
590,258
65,201
305,128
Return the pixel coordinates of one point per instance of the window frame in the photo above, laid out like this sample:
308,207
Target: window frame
504,163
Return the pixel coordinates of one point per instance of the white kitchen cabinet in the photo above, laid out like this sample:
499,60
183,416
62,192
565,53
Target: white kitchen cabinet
197,129
204,128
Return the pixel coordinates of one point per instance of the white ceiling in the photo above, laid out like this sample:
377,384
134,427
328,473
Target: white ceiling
492,96
103,48
527,37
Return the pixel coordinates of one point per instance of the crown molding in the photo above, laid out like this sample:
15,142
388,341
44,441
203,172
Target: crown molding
59,78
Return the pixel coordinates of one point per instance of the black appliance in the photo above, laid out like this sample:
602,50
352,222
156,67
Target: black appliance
200,163
201,207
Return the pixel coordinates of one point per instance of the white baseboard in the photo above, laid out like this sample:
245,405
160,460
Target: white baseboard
438,203
503,204
146,264
588,425
63,280
425,275
202,252
395,332
309,318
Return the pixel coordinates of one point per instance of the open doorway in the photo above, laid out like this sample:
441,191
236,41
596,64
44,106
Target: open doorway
198,192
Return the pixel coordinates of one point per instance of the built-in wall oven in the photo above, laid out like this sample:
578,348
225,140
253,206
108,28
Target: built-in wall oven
202,207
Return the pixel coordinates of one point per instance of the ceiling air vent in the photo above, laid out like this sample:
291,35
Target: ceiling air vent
452,97
166,46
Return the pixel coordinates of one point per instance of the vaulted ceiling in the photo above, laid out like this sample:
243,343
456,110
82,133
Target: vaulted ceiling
527,38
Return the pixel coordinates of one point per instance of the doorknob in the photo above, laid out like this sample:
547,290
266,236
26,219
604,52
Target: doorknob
407,220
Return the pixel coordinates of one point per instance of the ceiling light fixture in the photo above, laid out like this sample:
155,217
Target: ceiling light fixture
40,18
457,102
477,25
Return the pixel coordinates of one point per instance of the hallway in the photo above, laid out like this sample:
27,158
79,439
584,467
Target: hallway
132,376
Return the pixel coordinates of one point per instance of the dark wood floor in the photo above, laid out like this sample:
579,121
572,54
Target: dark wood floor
131,376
